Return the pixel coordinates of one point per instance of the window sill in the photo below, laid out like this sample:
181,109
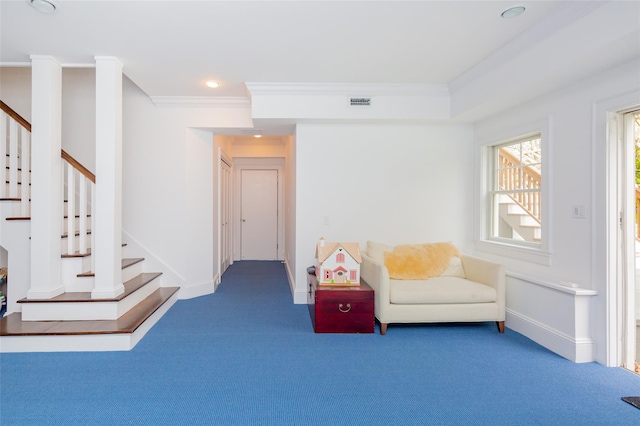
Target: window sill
515,251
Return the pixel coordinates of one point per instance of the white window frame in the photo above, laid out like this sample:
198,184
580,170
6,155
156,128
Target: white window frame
485,242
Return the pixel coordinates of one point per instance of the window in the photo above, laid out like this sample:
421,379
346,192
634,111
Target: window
516,192
340,258
512,192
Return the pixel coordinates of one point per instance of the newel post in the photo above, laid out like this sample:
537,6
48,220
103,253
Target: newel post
108,200
46,170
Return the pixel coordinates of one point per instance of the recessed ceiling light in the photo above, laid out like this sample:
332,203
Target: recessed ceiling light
212,84
43,6
513,12
257,136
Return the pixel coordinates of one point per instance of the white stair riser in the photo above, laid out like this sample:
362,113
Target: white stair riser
514,220
74,311
84,343
526,220
11,209
70,269
132,271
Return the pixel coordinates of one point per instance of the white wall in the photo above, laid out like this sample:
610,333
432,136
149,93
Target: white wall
15,89
290,210
264,147
169,172
542,309
388,183
78,107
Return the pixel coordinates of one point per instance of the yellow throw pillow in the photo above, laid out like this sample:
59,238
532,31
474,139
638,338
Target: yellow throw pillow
419,261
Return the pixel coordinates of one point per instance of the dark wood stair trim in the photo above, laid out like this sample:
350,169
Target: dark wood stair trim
76,234
130,286
12,325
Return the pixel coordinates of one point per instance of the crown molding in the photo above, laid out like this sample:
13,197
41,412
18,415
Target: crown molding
331,89
200,102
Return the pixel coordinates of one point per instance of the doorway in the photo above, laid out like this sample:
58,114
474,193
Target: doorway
224,204
629,130
259,214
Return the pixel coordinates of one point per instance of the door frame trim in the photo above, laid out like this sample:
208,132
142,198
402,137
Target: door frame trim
256,163
606,204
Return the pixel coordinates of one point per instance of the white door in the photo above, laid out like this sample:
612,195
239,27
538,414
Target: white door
259,215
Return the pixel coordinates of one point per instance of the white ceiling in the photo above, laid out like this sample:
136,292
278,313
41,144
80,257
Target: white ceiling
169,48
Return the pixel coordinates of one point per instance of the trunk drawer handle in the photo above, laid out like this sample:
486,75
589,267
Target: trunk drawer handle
344,310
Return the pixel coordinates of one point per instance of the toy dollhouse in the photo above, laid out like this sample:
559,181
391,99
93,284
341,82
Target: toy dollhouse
338,263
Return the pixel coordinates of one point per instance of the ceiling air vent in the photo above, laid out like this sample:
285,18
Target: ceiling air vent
360,101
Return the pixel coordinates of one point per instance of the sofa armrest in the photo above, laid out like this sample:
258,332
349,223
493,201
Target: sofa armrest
485,272
377,276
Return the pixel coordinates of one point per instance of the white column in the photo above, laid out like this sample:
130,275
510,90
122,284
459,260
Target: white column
108,200
46,185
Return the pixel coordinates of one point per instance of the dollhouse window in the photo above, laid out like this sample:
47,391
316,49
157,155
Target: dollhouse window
327,274
340,258
352,275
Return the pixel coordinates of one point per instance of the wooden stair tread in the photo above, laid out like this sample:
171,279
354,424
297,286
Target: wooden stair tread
12,325
125,264
130,286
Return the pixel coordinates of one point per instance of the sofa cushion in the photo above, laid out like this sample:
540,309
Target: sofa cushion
440,290
419,261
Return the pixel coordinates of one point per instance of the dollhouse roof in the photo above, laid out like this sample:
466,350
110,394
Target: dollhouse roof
353,249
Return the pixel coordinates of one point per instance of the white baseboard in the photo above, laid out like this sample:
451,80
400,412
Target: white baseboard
576,350
200,289
299,296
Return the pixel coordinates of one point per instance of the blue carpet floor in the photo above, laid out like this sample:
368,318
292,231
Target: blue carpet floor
247,356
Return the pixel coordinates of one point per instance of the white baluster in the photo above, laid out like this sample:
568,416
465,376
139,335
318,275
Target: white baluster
71,209
92,202
82,212
3,153
13,159
25,165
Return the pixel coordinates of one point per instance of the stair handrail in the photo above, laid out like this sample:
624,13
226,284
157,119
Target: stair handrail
11,113
24,123
15,158
78,166
529,201
79,205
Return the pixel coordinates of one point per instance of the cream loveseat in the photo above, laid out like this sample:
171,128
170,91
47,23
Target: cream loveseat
465,288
